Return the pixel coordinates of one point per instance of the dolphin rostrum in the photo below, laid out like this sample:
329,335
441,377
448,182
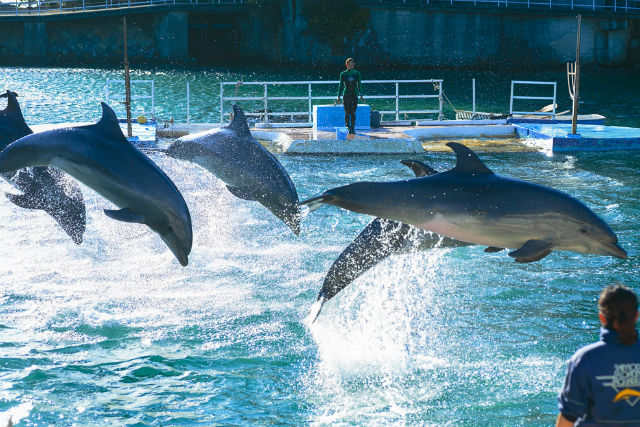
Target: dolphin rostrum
100,157
472,204
42,187
380,239
250,171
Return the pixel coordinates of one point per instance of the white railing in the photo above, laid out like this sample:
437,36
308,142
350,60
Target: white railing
617,6
47,7
119,96
539,98
265,98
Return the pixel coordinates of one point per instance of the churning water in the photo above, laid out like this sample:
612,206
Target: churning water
116,332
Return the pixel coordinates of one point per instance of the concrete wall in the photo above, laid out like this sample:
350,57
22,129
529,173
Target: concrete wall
396,37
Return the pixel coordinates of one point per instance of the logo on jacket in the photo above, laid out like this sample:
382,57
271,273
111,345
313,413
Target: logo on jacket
625,379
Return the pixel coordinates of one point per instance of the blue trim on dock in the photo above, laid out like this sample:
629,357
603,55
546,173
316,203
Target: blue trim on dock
593,138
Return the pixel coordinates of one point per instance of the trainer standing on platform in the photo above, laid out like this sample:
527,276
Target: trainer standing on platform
350,89
603,381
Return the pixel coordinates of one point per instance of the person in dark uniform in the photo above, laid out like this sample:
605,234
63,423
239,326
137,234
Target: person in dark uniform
603,380
349,89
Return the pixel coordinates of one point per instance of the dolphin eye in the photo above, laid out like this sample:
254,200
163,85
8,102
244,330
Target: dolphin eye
583,230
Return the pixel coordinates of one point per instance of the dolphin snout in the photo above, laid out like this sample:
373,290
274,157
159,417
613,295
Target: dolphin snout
178,247
614,250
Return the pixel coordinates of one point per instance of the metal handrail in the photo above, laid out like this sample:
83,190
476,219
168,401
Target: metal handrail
535,98
48,7
265,98
119,98
41,7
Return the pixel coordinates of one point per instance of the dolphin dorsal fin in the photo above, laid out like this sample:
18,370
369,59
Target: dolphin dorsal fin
467,161
419,168
108,123
12,102
239,123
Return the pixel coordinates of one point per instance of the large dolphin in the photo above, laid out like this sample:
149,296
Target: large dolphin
250,171
380,239
100,157
42,187
472,204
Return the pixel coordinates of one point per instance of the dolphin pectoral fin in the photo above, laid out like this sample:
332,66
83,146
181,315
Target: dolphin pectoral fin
242,193
467,161
125,215
491,249
314,311
533,250
315,202
23,201
419,168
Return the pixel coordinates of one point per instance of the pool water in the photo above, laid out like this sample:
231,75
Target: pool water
116,332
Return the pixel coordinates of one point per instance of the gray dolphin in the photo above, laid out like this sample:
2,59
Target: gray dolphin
42,188
250,171
472,204
380,239
100,156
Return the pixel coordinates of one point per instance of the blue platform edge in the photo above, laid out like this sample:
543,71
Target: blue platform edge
330,117
592,137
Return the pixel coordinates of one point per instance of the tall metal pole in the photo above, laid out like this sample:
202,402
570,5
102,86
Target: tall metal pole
127,81
576,83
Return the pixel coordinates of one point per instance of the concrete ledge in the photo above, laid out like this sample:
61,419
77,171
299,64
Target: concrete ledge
356,146
479,131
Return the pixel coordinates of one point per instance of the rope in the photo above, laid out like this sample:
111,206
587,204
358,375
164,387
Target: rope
436,86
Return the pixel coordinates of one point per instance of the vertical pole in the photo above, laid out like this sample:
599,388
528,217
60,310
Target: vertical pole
127,81
554,100
440,115
153,98
511,99
266,106
17,8
83,5
576,83
188,115
221,103
397,101
310,108
474,96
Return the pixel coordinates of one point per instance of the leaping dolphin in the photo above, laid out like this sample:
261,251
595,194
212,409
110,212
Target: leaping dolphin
100,156
42,187
380,239
250,171
472,204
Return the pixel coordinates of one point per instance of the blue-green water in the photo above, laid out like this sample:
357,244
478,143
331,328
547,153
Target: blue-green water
115,332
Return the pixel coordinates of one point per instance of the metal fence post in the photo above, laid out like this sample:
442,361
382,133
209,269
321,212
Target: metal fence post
511,99
474,96
266,106
554,100
440,115
188,115
310,108
221,103
397,101
153,98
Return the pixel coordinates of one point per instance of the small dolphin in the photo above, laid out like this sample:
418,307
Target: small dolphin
380,239
250,171
42,187
100,156
472,204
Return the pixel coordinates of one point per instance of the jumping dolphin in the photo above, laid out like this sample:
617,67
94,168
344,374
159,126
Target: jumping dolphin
100,156
380,239
250,171
42,187
472,204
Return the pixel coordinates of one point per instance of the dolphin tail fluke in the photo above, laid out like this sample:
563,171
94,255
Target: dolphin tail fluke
23,201
315,202
314,311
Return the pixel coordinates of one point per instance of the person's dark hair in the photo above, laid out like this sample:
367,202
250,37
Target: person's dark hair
619,305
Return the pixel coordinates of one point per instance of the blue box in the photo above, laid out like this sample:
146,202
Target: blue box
329,117
341,133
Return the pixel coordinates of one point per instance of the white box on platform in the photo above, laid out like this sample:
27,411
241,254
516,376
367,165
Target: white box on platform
329,117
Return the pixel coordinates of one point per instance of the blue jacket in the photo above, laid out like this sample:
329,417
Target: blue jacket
603,384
